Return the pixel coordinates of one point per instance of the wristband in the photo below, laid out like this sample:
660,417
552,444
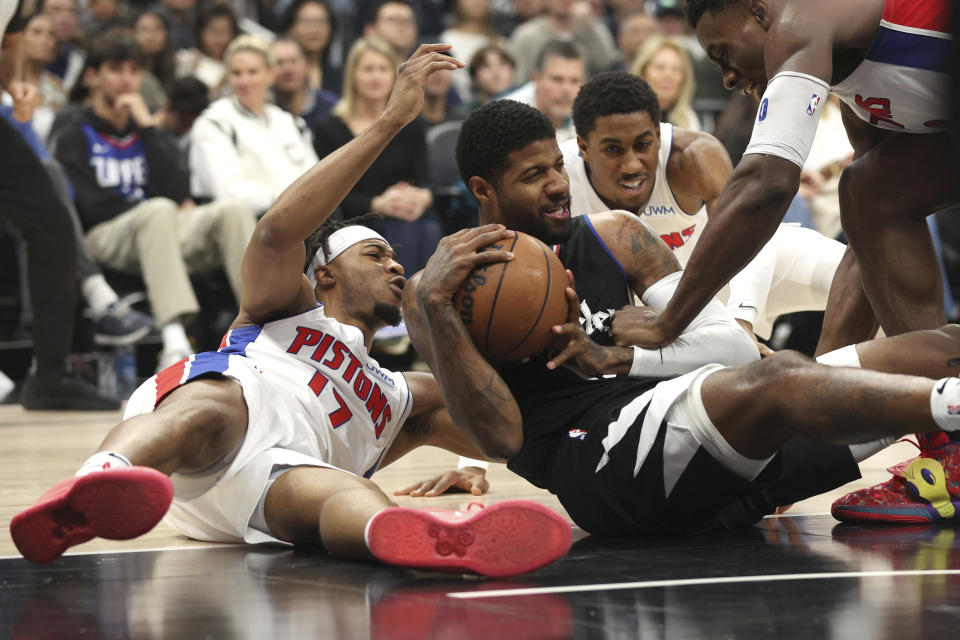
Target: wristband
470,462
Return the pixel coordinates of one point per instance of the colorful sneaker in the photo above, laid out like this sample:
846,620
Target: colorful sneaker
117,504
922,490
503,539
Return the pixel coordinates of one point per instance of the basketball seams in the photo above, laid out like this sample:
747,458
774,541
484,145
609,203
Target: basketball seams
496,297
543,304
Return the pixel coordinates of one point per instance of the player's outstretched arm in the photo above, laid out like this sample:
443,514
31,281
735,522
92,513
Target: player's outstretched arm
476,396
745,218
273,280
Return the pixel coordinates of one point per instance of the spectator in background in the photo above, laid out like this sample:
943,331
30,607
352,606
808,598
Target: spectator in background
153,35
188,99
311,23
395,184
181,15
471,29
509,18
132,194
291,87
215,27
664,63
492,71
820,177
68,62
243,146
394,22
97,16
37,50
635,28
670,20
441,103
565,20
558,73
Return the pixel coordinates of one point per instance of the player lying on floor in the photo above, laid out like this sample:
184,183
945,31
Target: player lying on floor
646,451
274,436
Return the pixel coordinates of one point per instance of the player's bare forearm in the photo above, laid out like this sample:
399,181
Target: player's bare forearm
476,396
746,217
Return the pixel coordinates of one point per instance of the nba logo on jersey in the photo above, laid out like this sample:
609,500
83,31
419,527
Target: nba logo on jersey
814,103
577,434
763,110
952,409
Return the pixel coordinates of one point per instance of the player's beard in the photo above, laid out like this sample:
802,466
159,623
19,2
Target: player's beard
387,312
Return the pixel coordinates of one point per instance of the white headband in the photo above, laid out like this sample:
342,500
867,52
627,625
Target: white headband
339,241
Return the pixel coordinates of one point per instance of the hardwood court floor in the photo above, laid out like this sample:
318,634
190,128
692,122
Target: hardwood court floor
41,448
799,576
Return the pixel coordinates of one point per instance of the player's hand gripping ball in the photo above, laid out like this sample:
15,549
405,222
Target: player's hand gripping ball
510,307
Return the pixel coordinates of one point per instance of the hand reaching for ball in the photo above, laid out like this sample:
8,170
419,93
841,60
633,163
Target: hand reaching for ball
573,343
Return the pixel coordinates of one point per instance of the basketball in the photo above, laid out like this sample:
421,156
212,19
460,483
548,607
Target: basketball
509,308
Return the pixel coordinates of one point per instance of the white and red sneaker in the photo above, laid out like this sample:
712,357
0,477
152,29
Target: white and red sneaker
117,504
503,539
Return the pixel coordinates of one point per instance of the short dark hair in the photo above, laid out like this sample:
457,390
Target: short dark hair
612,92
494,131
556,49
696,8
188,96
115,45
319,239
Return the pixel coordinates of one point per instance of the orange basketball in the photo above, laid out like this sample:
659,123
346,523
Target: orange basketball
509,307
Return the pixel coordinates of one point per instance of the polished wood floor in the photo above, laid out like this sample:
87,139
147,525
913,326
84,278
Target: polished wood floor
41,448
795,576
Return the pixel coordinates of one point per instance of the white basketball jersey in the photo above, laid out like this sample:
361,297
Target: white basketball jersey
354,407
679,229
903,83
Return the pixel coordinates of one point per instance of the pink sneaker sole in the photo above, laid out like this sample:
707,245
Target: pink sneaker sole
503,539
117,504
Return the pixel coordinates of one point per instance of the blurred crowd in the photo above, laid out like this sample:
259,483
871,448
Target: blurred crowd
173,125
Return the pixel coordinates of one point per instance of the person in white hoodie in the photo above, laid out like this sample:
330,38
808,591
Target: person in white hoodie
242,146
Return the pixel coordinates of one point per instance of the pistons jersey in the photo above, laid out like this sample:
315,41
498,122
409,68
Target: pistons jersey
678,229
903,83
354,407
566,400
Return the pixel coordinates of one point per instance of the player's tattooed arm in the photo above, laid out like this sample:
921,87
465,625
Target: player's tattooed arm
645,257
477,398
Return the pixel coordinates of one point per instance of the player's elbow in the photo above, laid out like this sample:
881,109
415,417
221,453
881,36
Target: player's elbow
504,446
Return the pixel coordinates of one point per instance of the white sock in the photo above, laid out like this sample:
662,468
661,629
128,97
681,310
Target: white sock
864,450
945,403
102,461
842,357
98,294
175,338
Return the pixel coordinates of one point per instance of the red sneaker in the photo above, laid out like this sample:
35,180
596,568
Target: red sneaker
117,504
503,539
922,490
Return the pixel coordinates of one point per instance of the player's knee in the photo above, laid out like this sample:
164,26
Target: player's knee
782,369
951,332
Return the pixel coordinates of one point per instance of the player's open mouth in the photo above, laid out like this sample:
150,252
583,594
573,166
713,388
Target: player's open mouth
396,285
559,212
633,187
